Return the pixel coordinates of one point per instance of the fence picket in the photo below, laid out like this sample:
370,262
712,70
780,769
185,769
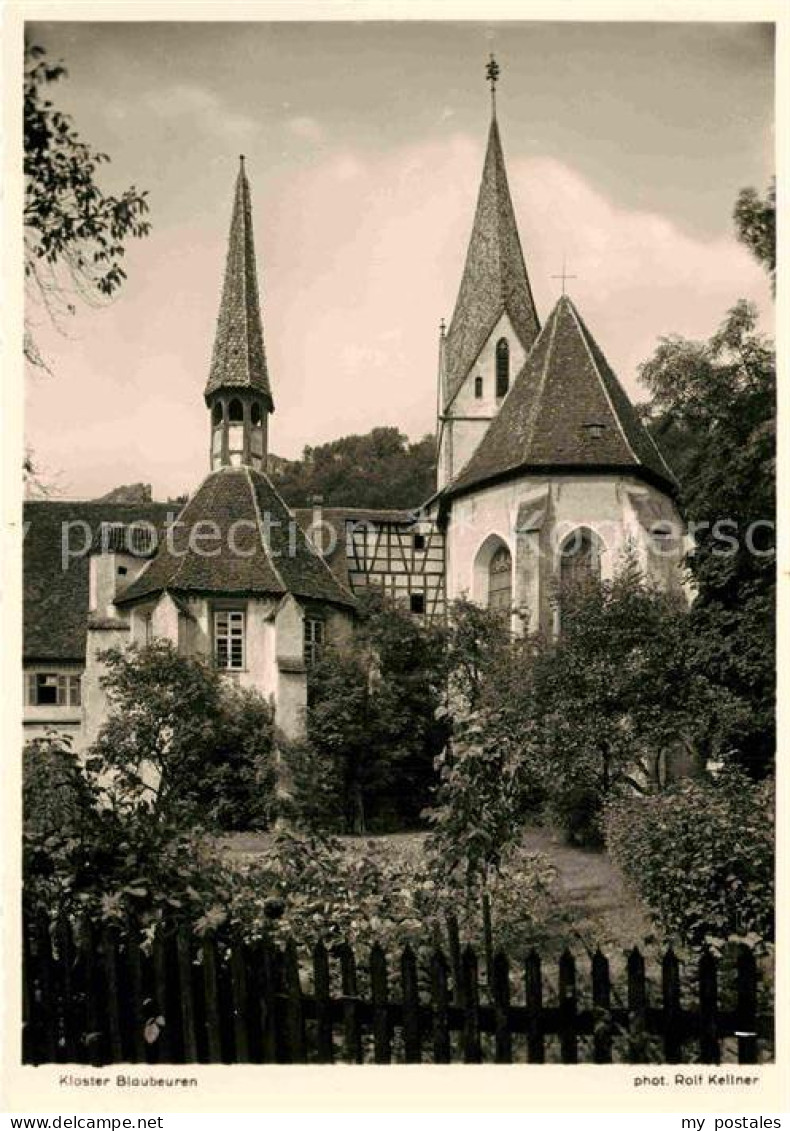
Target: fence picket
162,1045
382,1051
42,1005
440,1002
470,1003
567,1022
708,1010
488,943
211,1010
454,947
746,1008
670,993
325,1053
186,998
239,999
533,984
294,1009
500,992
133,1001
602,992
108,946
412,1033
637,1007
268,985
352,1037
95,1034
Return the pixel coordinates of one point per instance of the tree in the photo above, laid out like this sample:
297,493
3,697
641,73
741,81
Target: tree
380,469
372,728
755,223
718,399
75,234
179,747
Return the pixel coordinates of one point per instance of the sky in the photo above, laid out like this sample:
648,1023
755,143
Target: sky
626,146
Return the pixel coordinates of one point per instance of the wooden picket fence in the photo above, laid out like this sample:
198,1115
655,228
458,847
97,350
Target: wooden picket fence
95,996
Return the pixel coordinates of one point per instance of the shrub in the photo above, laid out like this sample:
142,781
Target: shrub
700,855
56,797
365,892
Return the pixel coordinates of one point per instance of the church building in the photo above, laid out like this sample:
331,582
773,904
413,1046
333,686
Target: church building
545,473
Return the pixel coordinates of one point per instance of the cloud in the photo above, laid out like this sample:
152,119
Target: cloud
183,100
307,128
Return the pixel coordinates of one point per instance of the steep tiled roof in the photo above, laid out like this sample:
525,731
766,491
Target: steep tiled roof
332,536
566,409
495,277
237,536
56,584
239,358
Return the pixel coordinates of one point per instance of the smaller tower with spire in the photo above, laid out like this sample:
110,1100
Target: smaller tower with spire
238,394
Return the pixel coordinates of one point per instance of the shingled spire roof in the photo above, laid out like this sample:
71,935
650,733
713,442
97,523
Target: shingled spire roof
495,276
566,410
236,537
239,358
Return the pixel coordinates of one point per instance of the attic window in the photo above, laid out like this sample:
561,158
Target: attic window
593,430
419,541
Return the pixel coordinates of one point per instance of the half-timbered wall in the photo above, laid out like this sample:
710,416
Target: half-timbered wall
405,560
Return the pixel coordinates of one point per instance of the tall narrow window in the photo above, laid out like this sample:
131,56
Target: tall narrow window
500,581
229,639
478,388
502,367
235,432
580,560
313,640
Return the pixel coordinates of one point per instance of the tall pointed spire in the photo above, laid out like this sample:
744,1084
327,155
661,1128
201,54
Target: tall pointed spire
239,357
495,277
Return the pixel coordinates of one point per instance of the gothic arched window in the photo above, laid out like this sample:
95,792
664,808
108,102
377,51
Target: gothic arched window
255,413
217,415
236,411
580,560
500,580
502,367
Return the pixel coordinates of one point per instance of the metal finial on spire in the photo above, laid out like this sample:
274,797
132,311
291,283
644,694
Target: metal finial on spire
492,74
564,275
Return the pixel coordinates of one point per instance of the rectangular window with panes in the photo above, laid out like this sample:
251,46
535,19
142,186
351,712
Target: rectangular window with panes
313,640
229,639
53,689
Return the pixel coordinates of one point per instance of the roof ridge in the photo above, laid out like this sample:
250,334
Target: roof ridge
539,392
643,430
308,543
266,548
598,374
